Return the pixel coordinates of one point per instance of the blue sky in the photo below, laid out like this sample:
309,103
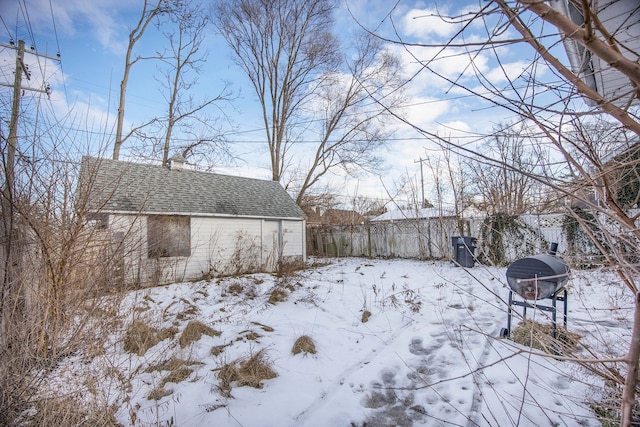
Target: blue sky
92,36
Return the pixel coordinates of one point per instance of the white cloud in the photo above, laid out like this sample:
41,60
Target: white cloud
100,19
507,72
423,111
423,23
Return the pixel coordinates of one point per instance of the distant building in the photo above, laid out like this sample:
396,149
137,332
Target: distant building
415,214
342,217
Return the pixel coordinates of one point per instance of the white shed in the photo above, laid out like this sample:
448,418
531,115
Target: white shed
170,224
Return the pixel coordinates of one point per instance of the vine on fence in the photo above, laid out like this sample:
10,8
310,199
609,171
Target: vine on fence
502,232
578,241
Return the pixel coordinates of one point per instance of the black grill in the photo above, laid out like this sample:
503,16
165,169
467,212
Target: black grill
538,276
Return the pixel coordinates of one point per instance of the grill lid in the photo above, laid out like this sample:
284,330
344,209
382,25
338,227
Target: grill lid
537,276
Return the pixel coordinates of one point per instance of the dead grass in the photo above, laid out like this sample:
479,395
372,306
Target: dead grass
194,331
176,376
278,295
140,337
235,288
171,364
263,327
304,344
178,371
158,393
218,349
67,411
289,266
538,335
245,372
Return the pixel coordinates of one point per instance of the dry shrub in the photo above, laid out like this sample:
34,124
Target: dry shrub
365,316
194,331
538,335
245,372
140,337
288,266
304,344
67,411
607,408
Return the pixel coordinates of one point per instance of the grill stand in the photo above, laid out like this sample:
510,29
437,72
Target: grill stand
505,332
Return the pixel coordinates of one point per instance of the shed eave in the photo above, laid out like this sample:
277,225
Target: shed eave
196,214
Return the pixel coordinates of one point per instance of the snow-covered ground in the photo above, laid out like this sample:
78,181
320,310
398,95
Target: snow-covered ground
429,354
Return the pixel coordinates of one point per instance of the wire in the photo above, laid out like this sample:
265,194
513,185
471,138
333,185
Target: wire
55,32
5,26
27,21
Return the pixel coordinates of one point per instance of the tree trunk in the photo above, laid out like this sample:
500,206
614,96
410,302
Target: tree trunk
631,381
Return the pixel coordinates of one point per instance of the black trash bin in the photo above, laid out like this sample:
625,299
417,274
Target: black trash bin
463,250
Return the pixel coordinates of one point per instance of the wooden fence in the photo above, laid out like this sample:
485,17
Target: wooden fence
431,238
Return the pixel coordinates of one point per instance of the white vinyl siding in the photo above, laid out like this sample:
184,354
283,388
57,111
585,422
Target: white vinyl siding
219,246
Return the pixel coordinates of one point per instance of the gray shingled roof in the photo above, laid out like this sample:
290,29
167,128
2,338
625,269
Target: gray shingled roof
133,187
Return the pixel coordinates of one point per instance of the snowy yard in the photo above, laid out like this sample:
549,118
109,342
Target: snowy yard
398,342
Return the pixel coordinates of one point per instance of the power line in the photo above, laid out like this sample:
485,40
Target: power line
55,32
7,28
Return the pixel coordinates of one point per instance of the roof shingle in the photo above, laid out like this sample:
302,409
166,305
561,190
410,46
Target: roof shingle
133,187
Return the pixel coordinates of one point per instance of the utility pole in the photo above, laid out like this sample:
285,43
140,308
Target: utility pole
423,202
7,203
12,142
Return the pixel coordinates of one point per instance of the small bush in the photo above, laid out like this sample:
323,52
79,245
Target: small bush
194,331
304,344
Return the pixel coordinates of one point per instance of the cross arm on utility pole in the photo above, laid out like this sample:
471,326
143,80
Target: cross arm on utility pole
24,70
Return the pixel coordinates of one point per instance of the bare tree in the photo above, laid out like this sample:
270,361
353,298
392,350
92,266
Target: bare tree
282,46
47,314
150,11
510,191
352,126
188,23
307,86
543,94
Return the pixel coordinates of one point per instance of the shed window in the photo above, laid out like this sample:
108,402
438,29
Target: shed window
169,236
